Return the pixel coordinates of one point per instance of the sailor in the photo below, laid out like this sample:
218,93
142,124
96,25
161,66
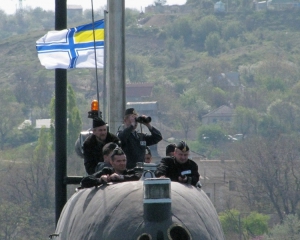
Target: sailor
179,168
107,152
170,149
93,145
134,143
148,155
116,173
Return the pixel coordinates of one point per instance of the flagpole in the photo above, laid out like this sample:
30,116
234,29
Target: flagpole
60,119
95,55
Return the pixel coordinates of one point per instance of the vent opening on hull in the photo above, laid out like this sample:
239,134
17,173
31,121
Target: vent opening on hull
177,232
145,236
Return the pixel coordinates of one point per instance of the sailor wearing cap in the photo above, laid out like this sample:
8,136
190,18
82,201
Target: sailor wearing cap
134,143
179,168
93,145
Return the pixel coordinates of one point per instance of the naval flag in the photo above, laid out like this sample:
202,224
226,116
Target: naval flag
73,48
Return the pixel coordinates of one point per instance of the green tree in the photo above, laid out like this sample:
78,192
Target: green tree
10,116
74,120
211,134
286,115
181,28
245,120
268,127
217,97
236,224
135,68
202,29
188,108
30,192
23,86
230,220
269,171
131,16
274,84
13,218
288,230
175,51
212,44
41,169
256,224
231,30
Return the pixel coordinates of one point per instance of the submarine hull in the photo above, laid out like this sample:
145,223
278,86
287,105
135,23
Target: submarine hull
117,212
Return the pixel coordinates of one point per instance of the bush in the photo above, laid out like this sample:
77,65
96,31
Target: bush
289,230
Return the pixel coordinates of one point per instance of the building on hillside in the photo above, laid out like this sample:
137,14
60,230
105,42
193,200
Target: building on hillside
74,10
25,124
38,123
260,6
43,123
219,7
138,92
276,5
145,108
168,9
229,82
283,5
218,183
223,114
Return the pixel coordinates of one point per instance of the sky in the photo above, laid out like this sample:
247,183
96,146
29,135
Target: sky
10,6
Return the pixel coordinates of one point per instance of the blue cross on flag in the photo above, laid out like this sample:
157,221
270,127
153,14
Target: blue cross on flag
73,48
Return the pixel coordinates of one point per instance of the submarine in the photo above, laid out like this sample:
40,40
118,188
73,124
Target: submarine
148,209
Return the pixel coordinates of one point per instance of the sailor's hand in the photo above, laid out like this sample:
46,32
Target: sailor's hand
148,125
182,179
163,176
114,177
104,178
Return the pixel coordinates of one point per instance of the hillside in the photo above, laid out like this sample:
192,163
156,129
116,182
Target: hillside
170,50
187,57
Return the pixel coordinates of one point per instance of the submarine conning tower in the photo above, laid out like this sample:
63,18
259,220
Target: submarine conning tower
157,199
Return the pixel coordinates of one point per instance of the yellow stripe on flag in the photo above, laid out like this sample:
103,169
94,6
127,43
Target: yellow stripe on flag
87,36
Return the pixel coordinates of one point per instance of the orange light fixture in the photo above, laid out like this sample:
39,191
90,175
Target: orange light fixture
94,105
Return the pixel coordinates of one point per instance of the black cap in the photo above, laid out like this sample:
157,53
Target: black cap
117,151
130,111
170,148
109,147
98,122
182,146
148,151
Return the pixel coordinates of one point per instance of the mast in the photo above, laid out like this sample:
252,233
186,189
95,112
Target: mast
116,63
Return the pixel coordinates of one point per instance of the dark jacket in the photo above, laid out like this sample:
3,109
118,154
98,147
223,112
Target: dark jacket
131,144
170,168
94,179
92,151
